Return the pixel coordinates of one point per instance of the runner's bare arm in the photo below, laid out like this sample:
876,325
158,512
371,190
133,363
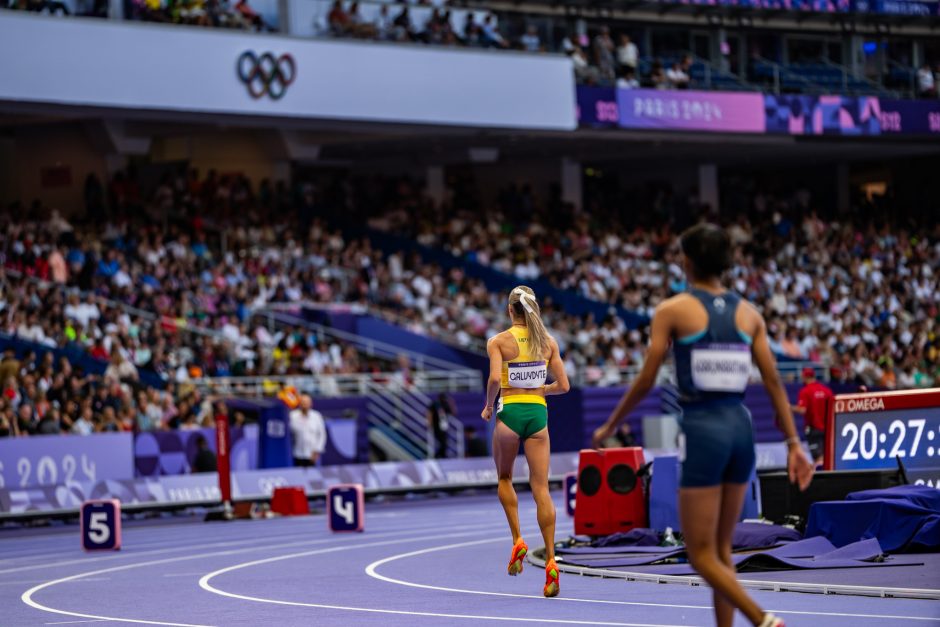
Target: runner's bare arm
799,467
492,382
560,384
660,337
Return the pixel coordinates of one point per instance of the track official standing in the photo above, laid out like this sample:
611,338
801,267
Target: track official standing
812,403
308,431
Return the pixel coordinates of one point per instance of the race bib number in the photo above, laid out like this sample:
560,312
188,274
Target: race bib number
528,374
721,367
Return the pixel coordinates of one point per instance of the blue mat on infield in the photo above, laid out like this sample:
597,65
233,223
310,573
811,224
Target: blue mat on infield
903,518
747,536
811,553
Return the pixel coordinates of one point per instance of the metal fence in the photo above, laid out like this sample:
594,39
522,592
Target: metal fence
332,385
790,372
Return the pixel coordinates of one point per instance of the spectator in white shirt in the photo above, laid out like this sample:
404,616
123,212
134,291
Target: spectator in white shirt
676,77
491,35
83,425
627,54
120,369
30,329
530,40
628,80
582,69
328,383
308,431
926,86
384,28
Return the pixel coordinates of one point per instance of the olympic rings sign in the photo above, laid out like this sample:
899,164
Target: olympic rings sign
266,75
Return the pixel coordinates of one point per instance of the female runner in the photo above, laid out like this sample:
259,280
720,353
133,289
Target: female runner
714,335
520,360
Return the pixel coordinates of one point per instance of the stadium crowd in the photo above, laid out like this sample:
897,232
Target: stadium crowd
111,322
42,395
211,13
174,294
597,59
860,299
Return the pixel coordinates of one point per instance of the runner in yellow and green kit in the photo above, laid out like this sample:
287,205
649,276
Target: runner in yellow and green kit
521,359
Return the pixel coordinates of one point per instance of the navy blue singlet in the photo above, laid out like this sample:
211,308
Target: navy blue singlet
712,371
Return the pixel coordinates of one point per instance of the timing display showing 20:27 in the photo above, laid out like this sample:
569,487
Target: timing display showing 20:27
875,439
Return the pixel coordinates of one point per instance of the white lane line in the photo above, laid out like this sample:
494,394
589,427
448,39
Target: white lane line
27,597
177,549
371,570
123,555
205,585
20,583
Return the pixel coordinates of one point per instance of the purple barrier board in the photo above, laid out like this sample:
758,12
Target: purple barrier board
390,475
731,112
818,6
597,106
908,117
347,428
823,115
691,110
158,453
257,484
169,453
921,8
49,460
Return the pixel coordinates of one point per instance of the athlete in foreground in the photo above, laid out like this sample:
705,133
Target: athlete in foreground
714,335
520,360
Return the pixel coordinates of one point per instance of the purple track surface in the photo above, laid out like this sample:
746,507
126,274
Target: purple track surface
436,561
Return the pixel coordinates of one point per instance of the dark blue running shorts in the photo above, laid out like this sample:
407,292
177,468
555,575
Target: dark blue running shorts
716,444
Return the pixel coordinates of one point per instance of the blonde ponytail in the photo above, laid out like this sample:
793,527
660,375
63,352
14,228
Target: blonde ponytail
523,303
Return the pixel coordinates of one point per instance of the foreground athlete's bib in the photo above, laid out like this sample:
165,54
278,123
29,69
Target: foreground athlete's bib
527,374
721,367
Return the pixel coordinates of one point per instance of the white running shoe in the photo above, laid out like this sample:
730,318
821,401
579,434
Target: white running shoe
771,621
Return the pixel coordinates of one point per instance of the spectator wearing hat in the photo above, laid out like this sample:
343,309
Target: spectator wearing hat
812,403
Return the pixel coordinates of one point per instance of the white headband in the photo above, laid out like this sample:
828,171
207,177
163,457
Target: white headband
524,298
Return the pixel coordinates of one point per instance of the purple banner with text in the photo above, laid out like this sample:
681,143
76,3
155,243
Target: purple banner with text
920,8
815,6
710,111
906,117
597,106
49,460
202,488
730,112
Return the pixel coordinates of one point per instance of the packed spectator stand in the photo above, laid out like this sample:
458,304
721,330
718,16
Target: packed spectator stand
860,299
172,294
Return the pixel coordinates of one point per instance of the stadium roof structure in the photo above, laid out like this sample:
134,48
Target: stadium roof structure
339,143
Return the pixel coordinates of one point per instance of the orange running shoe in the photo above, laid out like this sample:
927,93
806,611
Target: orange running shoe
551,579
518,555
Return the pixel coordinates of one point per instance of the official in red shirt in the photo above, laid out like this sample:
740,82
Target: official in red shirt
812,402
